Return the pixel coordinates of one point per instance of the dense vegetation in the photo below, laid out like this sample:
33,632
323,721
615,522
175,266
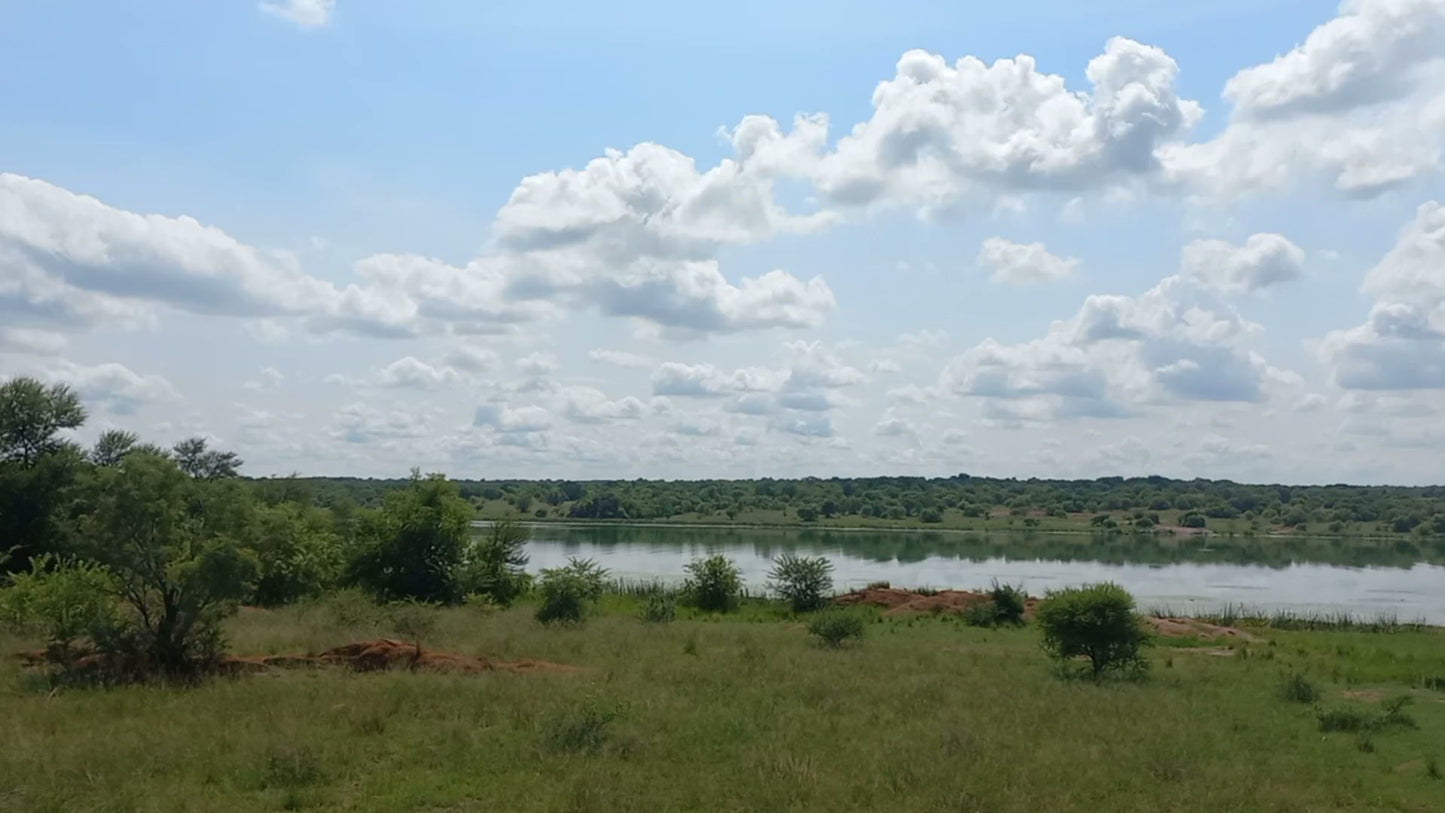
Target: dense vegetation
1102,505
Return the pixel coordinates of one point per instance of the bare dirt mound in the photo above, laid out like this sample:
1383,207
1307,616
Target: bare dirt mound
1190,628
897,601
387,653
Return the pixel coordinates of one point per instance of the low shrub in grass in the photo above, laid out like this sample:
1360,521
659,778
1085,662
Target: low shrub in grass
1391,715
805,583
1005,606
1295,688
713,584
1350,720
836,628
569,592
1097,622
658,608
580,730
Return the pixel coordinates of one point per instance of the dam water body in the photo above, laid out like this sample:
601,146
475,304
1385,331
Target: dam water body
1402,578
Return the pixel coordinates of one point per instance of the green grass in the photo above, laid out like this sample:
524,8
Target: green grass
737,713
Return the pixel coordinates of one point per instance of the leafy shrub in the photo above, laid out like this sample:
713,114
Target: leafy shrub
413,547
568,592
1193,519
837,627
1351,720
713,584
1392,715
412,620
803,582
493,563
658,608
69,603
1295,688
1097,622
1005,605
931,515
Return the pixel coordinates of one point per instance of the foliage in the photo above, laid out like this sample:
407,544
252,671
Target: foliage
413,547
195,459
805,583
412,620
299,553
1296,688
583,729
173,546
1004,606
713,584
658,608
836,627
1097,622
568,592
494,563
37,467
70,603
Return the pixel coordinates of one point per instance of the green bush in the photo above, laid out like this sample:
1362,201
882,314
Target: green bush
1097,622
569,592
493,563
713,584
68,603
1193,519
414,546
805,583
658,608
836,627
1295,688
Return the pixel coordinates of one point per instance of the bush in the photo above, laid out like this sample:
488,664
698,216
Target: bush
581,730
1294,688
568,592
1193,519
713,584
414,546
1005,605
803,582
68,603
836,627
1097,622
658,608
931,515
492,565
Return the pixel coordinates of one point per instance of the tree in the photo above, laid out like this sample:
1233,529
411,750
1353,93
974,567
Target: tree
298,552
413,546
805,583
196,460
112,446
1097,622
569,592
174,546
37,467
494,563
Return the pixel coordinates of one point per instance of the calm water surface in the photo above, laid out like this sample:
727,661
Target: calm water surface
1403,577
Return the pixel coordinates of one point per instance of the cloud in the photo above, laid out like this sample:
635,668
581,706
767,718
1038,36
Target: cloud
362,424
507,420
306,14
815,425
411,373
31,342
269,379
620,358
1023,263
1264,260
705,380
939,132
1401,346
589,405
470,358
895,427
112,387
537,363
696,428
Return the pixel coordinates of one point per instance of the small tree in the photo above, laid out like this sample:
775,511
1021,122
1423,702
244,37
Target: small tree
804,582
493,564
569,592
205,464
713,584
1097,622
836,627
70,603
298,551
38,467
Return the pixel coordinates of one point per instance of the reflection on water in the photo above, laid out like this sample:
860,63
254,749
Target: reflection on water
1189,574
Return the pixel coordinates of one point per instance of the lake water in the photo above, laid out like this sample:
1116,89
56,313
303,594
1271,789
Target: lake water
1404,578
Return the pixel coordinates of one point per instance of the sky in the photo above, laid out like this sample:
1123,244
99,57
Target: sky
647,239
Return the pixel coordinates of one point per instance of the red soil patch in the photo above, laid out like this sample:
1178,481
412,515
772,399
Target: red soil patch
386,653
1190,628
899,602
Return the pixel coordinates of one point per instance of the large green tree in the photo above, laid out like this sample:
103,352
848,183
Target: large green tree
415,545
38,466
178,550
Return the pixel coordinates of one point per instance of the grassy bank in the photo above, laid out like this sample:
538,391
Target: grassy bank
737,713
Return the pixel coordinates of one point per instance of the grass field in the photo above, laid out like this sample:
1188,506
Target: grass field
742,713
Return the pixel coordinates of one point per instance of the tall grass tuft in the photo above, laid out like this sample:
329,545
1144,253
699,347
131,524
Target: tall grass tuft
1295,688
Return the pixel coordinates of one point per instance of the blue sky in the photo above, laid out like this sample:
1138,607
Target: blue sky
1189,239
